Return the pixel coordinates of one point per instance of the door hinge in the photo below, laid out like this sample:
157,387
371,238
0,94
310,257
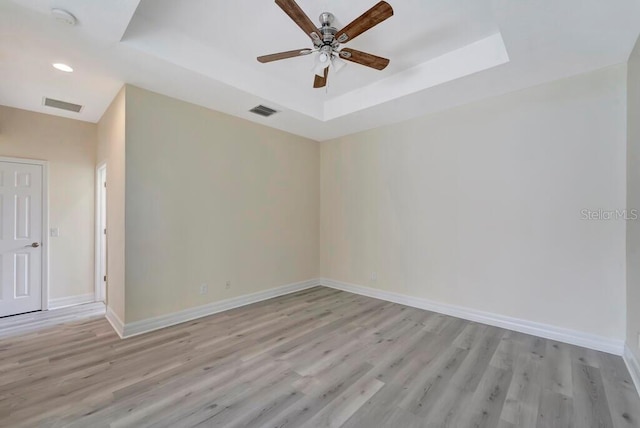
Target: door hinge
105,184
105,231
105,278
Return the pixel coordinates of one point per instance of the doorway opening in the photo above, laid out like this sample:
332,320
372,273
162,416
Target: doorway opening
101,233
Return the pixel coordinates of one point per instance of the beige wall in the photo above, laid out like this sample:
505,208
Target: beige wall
70,148
212,198
111,150
633,201
481,206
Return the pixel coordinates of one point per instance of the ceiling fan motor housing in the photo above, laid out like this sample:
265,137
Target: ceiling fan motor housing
327,19
327,30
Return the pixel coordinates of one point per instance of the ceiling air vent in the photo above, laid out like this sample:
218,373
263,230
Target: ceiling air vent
263,110
63,105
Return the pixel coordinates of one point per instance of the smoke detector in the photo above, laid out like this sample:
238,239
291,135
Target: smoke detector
64,17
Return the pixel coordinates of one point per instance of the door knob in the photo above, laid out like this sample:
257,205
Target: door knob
34,245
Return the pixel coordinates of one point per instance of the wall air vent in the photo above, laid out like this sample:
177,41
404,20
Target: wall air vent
63,105
263,110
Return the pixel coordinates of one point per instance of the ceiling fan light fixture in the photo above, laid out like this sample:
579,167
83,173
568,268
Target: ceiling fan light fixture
337,64
322,61
319,68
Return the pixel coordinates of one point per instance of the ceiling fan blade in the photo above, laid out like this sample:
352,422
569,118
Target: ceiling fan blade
364,58
367,20
291,8
321,82
283,55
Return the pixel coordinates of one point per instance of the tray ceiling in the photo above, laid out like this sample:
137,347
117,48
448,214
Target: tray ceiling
443,53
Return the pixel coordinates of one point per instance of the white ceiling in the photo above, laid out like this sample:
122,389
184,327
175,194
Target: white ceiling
443,53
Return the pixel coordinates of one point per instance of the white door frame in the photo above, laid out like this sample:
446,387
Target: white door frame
100,284
45,222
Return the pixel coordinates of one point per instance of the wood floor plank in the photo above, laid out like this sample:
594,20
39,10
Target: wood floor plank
621,394
590,405
555,411
557,373
380,410
506,353
523,398
421,395
318,394
346,404
486,407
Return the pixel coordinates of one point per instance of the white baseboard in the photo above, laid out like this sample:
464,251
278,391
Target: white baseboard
150,324
633,366
573,337
63,302
115,322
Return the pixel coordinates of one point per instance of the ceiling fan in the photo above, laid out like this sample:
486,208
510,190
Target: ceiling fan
327,40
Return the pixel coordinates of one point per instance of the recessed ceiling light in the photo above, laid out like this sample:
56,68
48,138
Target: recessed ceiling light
62,67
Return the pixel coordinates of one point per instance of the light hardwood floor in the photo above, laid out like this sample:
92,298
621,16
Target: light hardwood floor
35,321
316,358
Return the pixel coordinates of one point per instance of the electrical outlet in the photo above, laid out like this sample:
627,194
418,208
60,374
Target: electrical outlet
374,276
204,289
228,286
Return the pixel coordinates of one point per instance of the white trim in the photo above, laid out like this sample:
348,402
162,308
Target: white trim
63,302
150,324
115,322
633,366
573,337
44,294
99,285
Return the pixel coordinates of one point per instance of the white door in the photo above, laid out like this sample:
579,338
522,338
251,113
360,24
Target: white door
20,238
